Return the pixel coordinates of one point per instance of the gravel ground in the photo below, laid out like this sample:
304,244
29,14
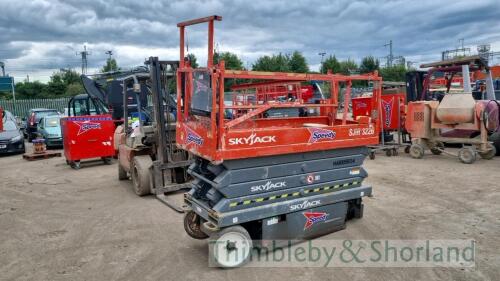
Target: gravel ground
60,224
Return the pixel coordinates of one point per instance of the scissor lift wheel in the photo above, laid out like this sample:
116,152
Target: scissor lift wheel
192,225
140,174
230,247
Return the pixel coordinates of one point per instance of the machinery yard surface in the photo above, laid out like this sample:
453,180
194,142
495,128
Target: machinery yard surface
57,223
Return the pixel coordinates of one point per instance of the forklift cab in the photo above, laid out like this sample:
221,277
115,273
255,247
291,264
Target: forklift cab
84,104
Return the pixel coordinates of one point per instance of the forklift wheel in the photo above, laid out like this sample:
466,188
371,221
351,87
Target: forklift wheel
122,174
407,149
192,225
388,153
490,153
467,155
416,151
230,247
140,174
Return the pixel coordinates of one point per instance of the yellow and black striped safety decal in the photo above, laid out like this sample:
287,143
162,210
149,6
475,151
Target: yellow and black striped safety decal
308,192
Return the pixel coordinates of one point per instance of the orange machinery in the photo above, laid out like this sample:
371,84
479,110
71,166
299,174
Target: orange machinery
204,130
262,177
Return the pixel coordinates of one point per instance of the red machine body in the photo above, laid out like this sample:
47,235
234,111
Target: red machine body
204,129
392,109
88,136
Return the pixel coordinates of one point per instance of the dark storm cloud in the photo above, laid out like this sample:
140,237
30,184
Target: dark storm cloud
55,30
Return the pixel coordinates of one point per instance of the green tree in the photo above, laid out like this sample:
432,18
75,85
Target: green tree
394,73
231,60
56,87
369,64
274,63
63,83
331,63
74,89
110,65
192,60
297,63
29,90
348,67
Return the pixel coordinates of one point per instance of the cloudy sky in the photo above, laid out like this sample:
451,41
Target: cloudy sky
40,36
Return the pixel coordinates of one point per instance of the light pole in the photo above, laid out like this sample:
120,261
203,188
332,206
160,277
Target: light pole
110,53
322,54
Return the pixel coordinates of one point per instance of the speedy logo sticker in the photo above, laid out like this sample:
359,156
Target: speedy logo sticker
318,134
362,105
87,126
314,217
193,137
387,106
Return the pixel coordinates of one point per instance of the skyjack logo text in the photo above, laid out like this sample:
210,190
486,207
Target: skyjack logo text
305,205
268,186
252,139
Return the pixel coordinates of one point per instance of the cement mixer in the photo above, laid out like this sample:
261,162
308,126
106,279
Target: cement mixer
426,120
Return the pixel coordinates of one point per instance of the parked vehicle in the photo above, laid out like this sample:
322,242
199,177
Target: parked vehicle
11,137
34,116
49,128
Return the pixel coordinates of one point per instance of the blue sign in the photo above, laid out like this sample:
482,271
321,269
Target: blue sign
6,83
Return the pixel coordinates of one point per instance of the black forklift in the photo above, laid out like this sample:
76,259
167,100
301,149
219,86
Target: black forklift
146,146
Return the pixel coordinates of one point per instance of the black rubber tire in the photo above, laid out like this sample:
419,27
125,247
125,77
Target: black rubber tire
192,225
407,149
218,237
122,174
438,149
372,155
354,209
388,153
416,151
107,160
495,138
467,155
75,165
140,174
489,154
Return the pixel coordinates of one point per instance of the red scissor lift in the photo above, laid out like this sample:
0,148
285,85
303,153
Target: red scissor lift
259,178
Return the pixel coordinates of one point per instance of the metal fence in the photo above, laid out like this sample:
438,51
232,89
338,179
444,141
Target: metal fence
20,107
